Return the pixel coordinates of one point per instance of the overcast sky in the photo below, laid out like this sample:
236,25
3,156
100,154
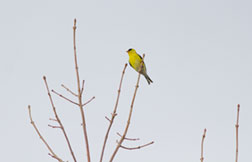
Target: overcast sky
198,54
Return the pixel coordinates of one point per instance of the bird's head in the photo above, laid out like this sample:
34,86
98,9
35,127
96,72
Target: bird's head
131,50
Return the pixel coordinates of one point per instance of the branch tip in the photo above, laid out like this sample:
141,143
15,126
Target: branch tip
52,119
74,27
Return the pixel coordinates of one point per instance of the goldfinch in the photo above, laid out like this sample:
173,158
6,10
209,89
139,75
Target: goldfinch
135,62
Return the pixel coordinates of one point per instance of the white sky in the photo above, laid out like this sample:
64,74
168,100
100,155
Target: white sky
198,53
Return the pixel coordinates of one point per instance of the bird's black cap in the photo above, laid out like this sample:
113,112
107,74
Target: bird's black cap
129,49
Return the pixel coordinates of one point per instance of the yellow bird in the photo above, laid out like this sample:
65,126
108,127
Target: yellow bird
135,62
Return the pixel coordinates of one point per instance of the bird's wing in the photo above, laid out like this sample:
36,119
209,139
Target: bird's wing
140,56
143,67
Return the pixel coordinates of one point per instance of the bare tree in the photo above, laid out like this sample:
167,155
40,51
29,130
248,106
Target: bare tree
81,104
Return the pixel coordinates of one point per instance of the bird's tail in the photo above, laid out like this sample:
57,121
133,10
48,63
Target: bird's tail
148,79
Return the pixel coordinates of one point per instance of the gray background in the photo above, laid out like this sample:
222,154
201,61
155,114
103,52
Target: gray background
198,53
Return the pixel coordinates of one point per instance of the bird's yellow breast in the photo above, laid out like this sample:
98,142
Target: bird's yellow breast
135,61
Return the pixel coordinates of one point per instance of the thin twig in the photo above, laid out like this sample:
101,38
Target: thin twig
53,126
64,97
129,139
80,95
130,114
107,118
53,156
52,119
58,120
237,127
82,86
41,137
202,142
62,85
138,147
88,101
113,114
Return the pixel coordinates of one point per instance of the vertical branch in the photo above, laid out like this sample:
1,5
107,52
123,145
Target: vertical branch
237,127
113,114
130,114
202,142
80,94
58,120
52,154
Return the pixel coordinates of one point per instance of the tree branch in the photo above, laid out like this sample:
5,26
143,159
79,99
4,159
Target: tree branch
129,139
88,101
202,142
80,94
130,114
62,85
113,114
58,120
53,126
64,97
41,137
82,86
237,127
138,147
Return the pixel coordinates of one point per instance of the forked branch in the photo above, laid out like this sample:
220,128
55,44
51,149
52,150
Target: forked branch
52,154
58,120
80,90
